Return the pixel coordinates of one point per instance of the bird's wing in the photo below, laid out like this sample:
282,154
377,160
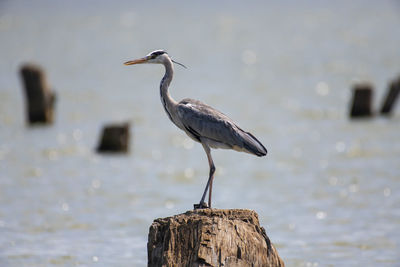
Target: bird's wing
202,121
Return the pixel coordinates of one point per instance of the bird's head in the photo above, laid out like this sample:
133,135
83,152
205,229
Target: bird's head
155,57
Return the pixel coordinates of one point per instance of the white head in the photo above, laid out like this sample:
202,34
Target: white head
155,57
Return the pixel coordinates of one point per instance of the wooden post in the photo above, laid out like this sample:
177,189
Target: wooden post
211,237
115,138
40,99
361,105
391,96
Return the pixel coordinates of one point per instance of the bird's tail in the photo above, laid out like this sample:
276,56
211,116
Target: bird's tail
252,145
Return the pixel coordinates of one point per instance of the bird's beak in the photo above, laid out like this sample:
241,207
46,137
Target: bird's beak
137,61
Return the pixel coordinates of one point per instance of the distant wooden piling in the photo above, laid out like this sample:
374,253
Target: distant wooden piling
211,237
391,97
115,138
361,104
40,100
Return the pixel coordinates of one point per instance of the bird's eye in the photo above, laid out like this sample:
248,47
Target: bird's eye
157,53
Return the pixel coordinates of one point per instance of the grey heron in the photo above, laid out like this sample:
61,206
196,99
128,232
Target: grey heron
201,122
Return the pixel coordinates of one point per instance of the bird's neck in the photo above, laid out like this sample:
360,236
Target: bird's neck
167,101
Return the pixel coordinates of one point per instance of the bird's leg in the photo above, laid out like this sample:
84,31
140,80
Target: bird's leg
202,204
212,170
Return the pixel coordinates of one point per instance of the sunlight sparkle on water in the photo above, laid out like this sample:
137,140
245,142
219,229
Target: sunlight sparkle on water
249,57
333,180
35,172
353,188
322,89
51,154
291,226
96,184
65,207
340,147
188,143
189,173
387,192
320,215
169,204
77,134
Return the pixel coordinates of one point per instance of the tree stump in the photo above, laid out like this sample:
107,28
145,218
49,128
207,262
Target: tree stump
40,99
361,105
115,138
391,96
211,237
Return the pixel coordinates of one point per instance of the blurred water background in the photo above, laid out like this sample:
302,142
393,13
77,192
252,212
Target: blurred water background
328,192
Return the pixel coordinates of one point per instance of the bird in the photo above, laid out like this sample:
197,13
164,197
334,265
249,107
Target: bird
201,122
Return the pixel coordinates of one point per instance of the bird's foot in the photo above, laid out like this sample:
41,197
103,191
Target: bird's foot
201,205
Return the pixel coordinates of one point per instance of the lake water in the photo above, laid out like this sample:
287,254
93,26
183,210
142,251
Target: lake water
328,192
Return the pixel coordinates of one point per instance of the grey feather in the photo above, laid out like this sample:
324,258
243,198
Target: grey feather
204,123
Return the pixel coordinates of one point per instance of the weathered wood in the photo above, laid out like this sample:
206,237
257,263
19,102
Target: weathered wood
391,96
40,99
115,138
211,237
361,104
